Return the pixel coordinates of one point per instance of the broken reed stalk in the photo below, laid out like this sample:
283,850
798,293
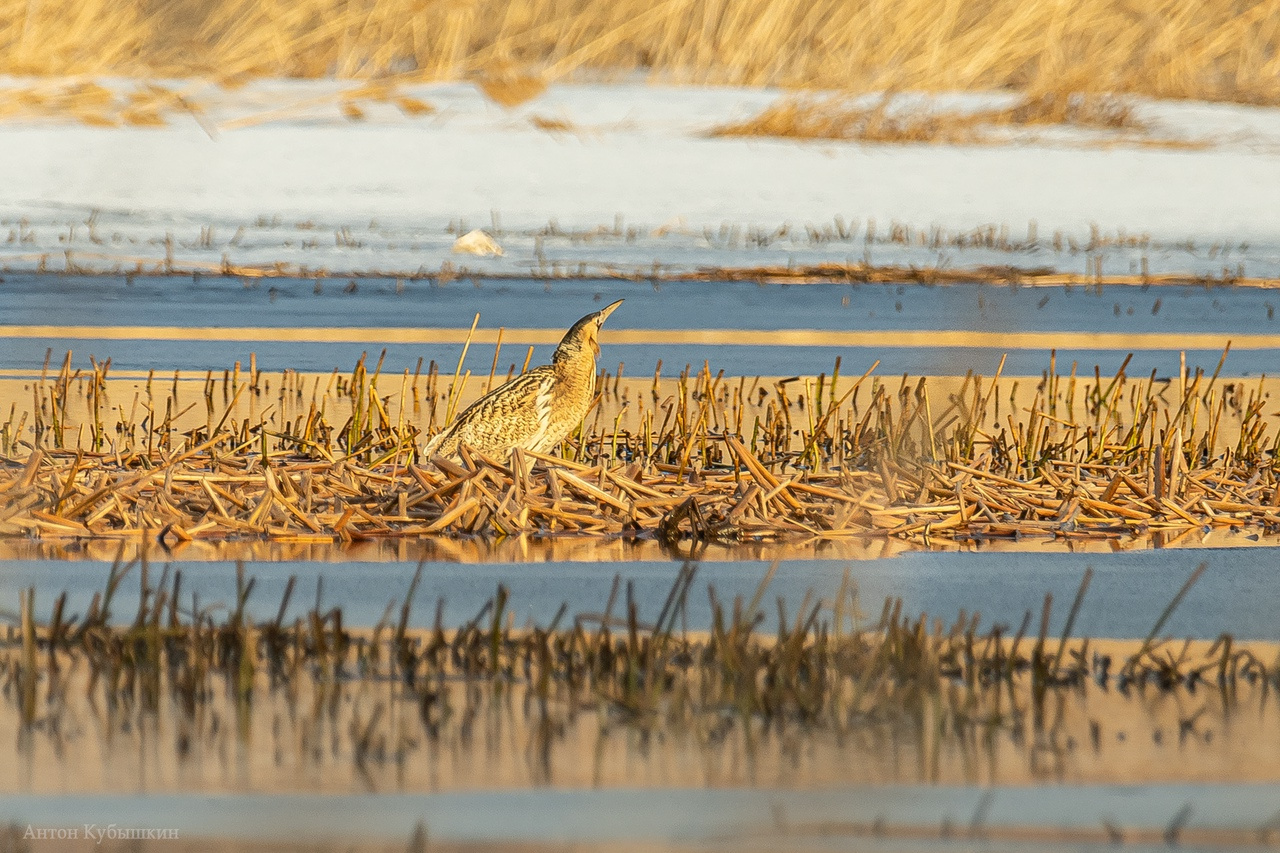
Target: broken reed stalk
455,390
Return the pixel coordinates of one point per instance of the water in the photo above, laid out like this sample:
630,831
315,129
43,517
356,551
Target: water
27,299
1069,319
168,324
1237,593
840,818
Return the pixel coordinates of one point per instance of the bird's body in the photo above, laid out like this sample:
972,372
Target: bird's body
536,410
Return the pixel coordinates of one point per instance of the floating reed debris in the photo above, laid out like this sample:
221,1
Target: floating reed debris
1081,457
394,705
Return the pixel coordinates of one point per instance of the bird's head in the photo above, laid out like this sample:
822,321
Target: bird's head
584,333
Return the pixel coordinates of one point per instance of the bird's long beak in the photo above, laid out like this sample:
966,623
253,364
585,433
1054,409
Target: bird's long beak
604,312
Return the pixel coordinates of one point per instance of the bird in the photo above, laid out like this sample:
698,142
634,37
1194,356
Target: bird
536,410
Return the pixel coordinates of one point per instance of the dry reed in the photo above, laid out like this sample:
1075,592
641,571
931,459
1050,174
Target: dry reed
149,104
996,237
511,90
1225,49
839,117
1089,457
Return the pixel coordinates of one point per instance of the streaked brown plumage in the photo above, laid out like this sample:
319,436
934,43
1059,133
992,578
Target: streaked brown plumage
536,410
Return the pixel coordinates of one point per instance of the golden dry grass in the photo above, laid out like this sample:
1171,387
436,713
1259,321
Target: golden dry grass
511,89
554,126
842,117
1226,49
142,105
147,104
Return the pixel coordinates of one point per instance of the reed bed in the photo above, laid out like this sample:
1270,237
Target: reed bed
373,707
845,118
868,273
1092,268
1169,48
718,459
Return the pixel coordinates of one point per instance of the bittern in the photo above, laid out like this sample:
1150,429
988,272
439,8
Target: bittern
536,410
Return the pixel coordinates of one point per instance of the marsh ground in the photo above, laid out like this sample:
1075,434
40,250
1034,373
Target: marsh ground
581,185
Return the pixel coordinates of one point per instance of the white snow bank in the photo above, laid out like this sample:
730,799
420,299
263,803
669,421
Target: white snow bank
310,188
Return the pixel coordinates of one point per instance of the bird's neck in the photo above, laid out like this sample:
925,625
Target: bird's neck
577,364
572,354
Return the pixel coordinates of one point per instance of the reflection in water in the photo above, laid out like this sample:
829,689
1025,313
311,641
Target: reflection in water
198,699
575,548
344,737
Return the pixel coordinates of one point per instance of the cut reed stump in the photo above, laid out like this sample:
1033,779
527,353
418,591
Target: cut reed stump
1084,457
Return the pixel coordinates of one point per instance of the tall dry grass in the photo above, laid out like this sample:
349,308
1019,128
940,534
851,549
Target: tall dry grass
1220,49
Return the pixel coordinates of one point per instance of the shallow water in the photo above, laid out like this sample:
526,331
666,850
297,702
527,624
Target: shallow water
1086,324
837,819
598,549
1237,594
163,324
